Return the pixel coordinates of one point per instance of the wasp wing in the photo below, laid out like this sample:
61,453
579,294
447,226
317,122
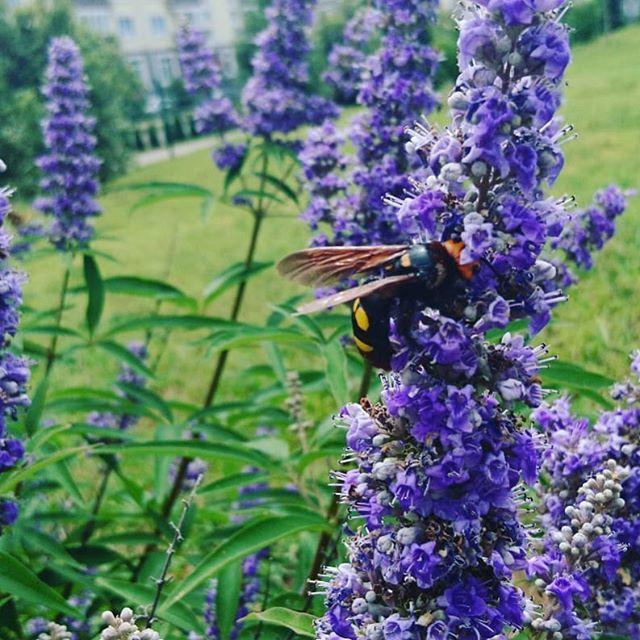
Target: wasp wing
384,285
323,265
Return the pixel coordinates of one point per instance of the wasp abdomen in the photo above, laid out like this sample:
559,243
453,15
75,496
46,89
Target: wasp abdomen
370,319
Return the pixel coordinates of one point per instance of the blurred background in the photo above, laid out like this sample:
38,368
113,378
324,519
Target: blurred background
133,68
146,132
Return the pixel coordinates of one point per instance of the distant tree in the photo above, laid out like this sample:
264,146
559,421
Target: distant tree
116,96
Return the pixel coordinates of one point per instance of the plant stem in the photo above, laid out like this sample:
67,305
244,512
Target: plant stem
181,472
90,526
325,538
51,355
235,310
171,549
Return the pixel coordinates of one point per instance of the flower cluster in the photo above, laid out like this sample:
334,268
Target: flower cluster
588,565
276,98
201,73
588,230
14,370
395,88
124,627
70,168
127,377
440,460
347,58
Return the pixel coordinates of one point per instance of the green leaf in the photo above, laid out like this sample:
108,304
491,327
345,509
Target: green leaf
189,449
95,288
282,186
34,413
179,614
335,453
243,335
125,356
573,376
336,371
257,193
232,482
16,477
21,582
232,276
50,330
61,473
228,596
43,543
161,191
143,288
186,323
298,622
147,397
254,535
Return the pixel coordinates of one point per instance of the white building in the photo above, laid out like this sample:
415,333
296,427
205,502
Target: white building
147,30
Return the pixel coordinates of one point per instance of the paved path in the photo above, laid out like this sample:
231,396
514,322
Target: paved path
154,156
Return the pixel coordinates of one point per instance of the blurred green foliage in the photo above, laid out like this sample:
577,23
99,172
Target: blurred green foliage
117,96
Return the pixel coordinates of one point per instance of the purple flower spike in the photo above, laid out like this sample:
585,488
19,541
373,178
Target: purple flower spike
276,97
14,370
395,86
587,564
70,182
201,73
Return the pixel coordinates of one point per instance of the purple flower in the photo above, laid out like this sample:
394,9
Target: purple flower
70,169
201,74
276,98
590,552
14,370
230,156
396,87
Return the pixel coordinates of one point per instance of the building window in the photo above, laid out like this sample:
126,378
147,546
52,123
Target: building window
126,27
158,26
98,22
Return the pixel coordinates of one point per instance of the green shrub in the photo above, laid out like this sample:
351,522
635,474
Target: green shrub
116,93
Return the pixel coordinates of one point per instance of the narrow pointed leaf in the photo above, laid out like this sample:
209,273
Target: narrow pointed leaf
95,289
296,621
255,535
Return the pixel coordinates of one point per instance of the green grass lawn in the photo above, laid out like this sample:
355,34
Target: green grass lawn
596,328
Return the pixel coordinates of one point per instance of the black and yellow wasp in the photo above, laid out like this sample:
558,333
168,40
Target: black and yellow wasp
411,273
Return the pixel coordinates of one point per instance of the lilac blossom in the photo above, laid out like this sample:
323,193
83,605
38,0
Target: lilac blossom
395,89
202,78
14,370
435,535
70,168
589,558
276,97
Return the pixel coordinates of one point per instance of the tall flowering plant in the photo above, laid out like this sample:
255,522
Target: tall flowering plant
395,86
275,98
440,461
587,563
70,167
14,370
347,58
202,77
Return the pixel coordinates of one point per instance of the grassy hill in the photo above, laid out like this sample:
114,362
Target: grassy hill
170,240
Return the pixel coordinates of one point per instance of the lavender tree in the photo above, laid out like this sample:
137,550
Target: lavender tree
14,370
70,168
588,561
202,77
440,460
396,88
69,185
